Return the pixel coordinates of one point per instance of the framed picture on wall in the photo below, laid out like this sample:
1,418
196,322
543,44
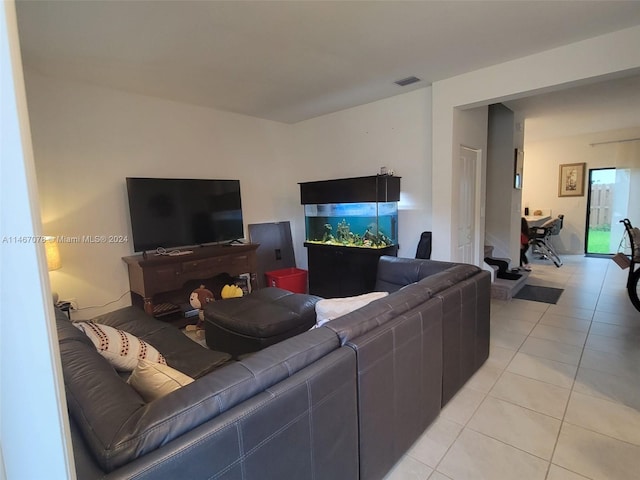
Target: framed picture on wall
571,180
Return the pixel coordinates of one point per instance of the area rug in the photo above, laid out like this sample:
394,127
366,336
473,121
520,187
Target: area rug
539,294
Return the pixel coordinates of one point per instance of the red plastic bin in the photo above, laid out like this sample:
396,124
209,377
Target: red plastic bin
292,279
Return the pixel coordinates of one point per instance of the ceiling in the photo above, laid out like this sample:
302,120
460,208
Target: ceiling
293,60
596,107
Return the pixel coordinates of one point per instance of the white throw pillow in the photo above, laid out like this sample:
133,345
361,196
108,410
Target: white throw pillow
153,380
330,308
122,349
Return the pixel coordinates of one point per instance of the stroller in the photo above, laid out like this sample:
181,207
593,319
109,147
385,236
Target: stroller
540,241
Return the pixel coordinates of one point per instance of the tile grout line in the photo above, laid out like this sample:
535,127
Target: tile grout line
562,420
566,407
570,389
435,469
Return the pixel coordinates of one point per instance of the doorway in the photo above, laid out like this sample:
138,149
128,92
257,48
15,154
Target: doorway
604,209
599,208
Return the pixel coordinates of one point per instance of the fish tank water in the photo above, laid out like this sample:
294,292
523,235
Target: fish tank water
364,224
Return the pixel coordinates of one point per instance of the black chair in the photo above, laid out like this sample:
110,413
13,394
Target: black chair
540,239
424,246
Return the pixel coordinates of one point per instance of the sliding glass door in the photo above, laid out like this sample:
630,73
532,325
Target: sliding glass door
607,204
599,208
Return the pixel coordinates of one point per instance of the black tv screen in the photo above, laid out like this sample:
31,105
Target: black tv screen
177,212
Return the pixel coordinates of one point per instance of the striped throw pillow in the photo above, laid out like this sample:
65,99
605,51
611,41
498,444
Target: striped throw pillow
122,349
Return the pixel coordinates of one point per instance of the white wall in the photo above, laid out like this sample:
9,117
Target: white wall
503,200
541,168
87,139
395,133
586,60
500,180
33,423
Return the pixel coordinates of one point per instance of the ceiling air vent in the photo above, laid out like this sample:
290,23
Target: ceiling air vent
407,81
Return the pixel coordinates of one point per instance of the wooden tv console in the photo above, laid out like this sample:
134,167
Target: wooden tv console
155,277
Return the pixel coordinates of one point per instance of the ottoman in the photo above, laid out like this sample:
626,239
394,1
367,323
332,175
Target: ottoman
262,318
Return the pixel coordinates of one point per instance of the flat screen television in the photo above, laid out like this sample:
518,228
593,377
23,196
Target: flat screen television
177,212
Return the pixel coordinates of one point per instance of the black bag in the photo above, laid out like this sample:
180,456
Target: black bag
503,266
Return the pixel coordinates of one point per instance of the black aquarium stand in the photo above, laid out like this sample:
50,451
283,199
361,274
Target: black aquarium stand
343,271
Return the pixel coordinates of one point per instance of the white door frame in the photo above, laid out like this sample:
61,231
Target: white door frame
476,257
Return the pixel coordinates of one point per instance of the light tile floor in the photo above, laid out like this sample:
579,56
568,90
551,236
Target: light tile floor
559,396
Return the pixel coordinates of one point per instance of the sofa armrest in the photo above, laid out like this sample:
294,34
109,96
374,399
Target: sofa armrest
380,311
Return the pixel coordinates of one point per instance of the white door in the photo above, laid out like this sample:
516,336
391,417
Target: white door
467,189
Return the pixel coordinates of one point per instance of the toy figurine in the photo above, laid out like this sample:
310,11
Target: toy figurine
199,298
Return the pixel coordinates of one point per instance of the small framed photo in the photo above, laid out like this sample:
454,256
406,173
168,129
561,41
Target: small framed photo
571,181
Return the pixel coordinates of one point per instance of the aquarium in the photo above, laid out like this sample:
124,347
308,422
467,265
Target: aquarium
365,224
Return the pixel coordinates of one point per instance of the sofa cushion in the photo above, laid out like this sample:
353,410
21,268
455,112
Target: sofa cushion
154,380
180,351
122,349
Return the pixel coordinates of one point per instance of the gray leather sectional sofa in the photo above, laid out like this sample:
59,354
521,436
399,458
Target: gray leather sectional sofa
343,401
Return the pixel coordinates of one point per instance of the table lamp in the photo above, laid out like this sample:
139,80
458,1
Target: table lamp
53,258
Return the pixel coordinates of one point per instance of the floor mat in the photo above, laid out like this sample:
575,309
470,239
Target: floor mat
539,294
